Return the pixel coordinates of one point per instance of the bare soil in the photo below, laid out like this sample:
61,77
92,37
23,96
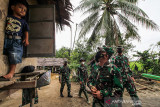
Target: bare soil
49,97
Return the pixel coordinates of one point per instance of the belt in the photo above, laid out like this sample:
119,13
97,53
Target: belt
13,37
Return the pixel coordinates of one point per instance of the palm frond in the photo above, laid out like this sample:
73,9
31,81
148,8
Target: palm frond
95,32
124,5
132,1
140,19
129,26
104,25
88,23
85,4
93,9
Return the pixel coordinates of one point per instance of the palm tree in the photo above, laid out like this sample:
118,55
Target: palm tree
108,18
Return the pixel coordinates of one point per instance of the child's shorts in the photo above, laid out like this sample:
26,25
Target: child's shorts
13,48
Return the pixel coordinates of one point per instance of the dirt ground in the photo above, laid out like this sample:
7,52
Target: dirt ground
49,97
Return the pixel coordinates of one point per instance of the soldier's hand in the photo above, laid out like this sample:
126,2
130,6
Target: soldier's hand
97,95
80,82
93,89
133,79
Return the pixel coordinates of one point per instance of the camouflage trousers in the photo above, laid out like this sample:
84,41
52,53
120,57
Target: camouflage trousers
97,103
103,103
83,89
131,89
68,85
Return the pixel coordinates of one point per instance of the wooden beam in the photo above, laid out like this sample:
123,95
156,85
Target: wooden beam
21,85
32,78
31,73
5,83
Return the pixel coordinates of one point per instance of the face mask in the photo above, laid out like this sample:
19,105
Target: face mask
102,56
119,50
83,63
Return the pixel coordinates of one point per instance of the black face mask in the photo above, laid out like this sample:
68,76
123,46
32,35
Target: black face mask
65,64
99,55
119,50
102,56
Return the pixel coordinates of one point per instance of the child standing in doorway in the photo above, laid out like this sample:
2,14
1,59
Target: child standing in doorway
16,34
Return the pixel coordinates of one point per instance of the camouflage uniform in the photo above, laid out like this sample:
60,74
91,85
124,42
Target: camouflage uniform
93,75
65,78
122,63
83,77
107,79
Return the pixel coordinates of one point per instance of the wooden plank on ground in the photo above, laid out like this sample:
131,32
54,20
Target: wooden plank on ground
143,87
21,85
5,83
31,73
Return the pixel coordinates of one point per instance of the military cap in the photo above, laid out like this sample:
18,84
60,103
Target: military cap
109,50
106,49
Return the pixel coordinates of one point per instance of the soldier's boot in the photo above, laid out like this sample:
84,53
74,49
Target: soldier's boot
80,92
69,95
136,102
61,94
86,95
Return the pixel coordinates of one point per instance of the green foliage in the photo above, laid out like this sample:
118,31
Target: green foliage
63,53
106,17
144,59
150,62
74,56
80,51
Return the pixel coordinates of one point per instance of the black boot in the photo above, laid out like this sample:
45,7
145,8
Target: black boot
61,94
69,95
80,92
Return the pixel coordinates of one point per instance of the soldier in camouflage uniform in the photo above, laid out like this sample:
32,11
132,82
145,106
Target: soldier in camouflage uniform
122,63
105,79
65,78
83,77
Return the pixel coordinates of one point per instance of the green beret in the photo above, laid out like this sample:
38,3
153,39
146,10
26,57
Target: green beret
109,50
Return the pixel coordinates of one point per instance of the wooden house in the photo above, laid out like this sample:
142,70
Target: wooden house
43,16
52,64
